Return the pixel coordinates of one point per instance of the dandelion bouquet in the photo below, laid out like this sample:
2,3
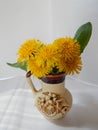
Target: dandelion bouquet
63,55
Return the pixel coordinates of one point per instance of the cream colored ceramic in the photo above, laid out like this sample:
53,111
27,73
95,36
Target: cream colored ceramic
53,100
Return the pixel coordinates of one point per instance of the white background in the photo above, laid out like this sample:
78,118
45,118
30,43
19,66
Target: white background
47,20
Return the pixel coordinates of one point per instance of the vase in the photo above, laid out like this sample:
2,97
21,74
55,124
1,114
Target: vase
53,100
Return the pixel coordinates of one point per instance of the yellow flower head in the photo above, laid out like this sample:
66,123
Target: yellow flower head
38,70
48,54
28,48
69,60
44,61
73,65
68,47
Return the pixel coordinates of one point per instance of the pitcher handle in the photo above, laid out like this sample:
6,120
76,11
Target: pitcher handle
28,77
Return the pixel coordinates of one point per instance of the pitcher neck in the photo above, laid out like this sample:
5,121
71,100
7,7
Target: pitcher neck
54,78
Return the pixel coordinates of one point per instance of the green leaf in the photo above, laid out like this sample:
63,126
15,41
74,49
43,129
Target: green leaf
22,65
83,35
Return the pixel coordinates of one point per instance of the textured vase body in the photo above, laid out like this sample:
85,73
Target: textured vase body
53,100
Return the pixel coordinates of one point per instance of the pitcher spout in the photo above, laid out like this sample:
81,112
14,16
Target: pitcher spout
28,77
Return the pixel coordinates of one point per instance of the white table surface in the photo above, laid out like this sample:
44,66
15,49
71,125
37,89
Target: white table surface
17,110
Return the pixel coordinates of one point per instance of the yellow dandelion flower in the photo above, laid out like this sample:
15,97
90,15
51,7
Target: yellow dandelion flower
48,54
69,60
73,65
67,47
61,64
38,70
28,49
44,61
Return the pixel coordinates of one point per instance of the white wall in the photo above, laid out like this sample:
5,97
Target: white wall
47,20
23,19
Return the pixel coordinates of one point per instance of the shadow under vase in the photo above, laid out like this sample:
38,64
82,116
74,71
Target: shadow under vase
82,114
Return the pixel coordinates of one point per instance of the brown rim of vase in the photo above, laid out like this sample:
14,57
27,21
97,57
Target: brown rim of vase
54,78
51,78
